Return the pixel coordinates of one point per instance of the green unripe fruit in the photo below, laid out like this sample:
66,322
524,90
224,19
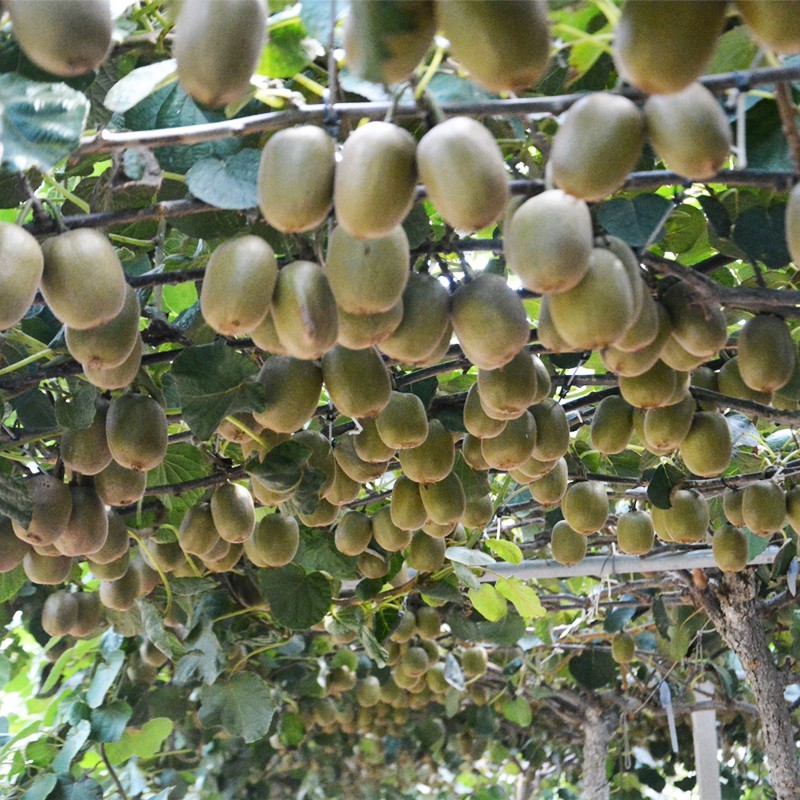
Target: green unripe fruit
513,446
85,450
117,377
585,506
774,25
295,178
354,467
51,502
233,512
688,518
665,428
767,354
507,392
732,507
612,425
372,564
238,285
274,542
407,509
136,429
292,387
425,554
623,648
358,381
403,423
552,430
763,507
375,180
730,550
368,692
444,500
432,460
119,486
59,613
47,570
699,326
462,168
707,449
353,533
357,331
12,548
217,46
596,147
477,422
474,661
551,487
87,529
121,594
21,265
198,534
82,282
635,533
566,545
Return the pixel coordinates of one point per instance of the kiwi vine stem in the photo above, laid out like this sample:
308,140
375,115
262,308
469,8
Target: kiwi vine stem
105,140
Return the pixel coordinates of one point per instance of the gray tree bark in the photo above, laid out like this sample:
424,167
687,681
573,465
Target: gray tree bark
599,726
732,608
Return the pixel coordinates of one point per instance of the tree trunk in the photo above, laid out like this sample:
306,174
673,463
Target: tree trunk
732,609
598,728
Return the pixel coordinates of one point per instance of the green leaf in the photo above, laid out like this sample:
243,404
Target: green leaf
41,787
183,462
226,183
156,632
476,484
41,122
204,658
761,233
103,678
717,214
296,600
488,602
618,618
11,582
143,742
756,545
215,381
292,729
468,557
506,633
524,598
317,551
82,789
316,18
372,646
288,50
664,479
518,711
76,411
505,550
139,84
108,722
35,410
75,740
593,668
282,467
243,706
634,220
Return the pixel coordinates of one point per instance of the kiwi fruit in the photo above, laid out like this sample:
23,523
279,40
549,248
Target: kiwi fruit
403,422
358,331
197,534
59,613
167,556
548,242
567,546
551,487
425,554
731,384
304,311
51,502
343,489
295,178
585,506
88,615
774,25
21,266
503,44
111,570
122,593
116,377
689,131
552,430
645,327
107,345
265,495
372,564
82,282
353,533
472,452
375,180
506,392
265,337
767,354
433,459
477,422
369,444
321,457
151,655
87,529
120,486
462,168
425,321
46,570
730,549
323,516
12,548
707,449
699,326
483,304
612,425
67,38
354,467
598,144
238,285
358,381
233,512
792,224
513,446
292,387
792,508
444,500
623,647
217,45
675,355
367,276
383,53
274,542
732,506
388,535
227,562
659,519
687,519
666,427
763,507
606,285
407,511
654,388
85,450
632,364
136,430
635,533
662,49
546,331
